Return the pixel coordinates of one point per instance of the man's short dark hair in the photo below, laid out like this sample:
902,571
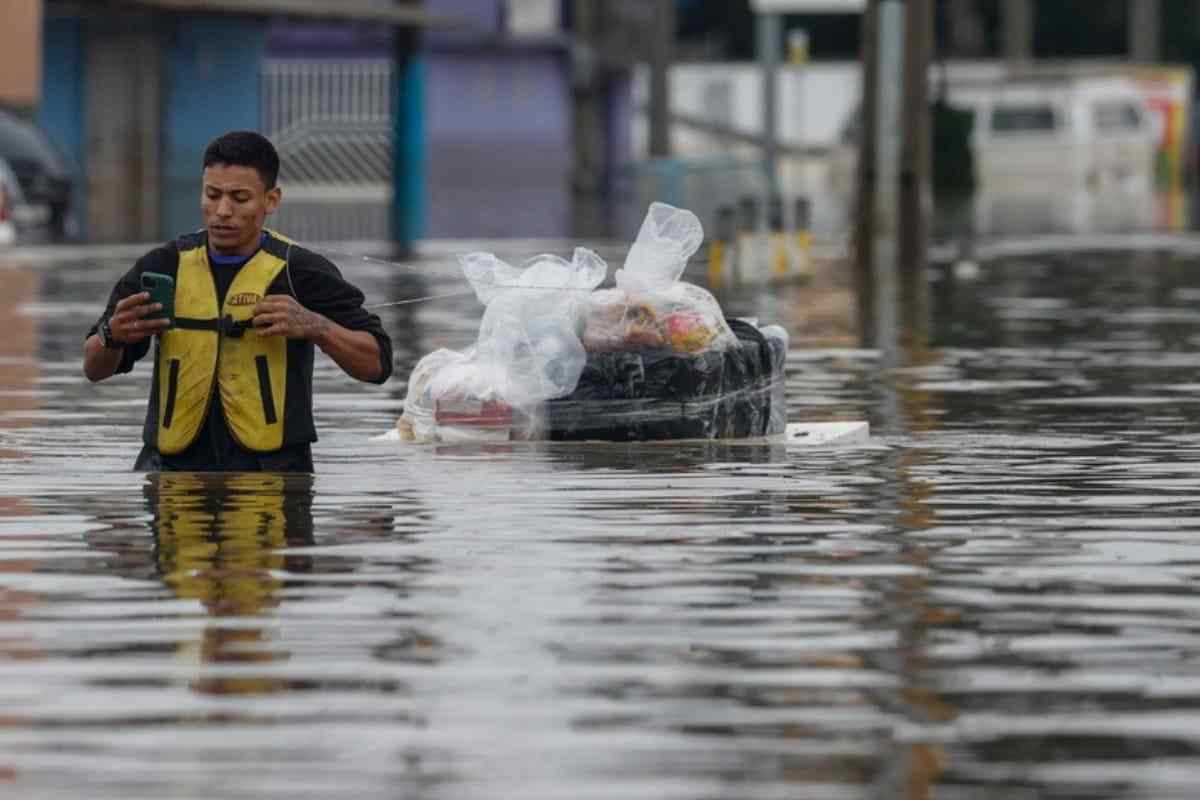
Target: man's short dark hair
245,149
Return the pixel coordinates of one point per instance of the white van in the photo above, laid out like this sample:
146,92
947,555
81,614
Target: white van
1053,154
1089,131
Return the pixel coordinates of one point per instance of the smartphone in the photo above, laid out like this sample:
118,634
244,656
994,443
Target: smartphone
162,290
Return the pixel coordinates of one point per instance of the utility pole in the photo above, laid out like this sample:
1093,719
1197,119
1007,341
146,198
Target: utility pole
889,140
965,29
589,156
409,195
769,31
1145,26
864,197
916,191
662,45
894,198
1018,31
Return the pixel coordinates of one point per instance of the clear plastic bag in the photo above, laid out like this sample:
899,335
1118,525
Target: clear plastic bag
653,358
668,237
651,308
528,351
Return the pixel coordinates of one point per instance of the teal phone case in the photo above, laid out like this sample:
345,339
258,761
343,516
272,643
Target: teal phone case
162,290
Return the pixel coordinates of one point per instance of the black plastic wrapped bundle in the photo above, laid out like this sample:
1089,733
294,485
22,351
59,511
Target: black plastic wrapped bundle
661,394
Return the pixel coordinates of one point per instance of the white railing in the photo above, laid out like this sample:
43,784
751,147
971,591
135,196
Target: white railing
298,92
332,123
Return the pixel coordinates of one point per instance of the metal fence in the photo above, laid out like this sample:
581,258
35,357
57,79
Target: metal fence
332,123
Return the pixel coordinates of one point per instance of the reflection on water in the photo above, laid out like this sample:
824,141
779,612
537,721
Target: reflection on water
1032,209
995,599
218,539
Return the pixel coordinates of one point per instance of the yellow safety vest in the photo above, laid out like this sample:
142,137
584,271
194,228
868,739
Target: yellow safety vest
213,349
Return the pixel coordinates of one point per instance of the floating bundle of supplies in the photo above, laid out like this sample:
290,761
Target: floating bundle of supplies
559,359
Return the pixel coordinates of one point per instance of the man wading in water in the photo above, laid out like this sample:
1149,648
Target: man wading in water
232,387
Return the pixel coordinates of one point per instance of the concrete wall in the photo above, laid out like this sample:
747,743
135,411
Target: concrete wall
814,102
20,53
123,89
133,115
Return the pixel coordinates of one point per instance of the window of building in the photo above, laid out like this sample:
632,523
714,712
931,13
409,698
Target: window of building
1030,118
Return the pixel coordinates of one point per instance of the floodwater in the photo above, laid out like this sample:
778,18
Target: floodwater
997,598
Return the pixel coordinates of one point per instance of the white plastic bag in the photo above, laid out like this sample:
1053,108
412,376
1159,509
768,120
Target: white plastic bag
528,351
668,237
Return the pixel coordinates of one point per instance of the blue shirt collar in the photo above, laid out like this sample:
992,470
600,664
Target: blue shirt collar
226,261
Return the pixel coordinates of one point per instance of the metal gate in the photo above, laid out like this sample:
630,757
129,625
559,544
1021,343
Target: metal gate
332,123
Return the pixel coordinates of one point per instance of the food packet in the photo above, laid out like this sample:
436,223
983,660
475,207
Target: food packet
650,308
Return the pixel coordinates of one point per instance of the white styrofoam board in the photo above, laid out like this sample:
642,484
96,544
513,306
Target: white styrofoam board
808,434
826,434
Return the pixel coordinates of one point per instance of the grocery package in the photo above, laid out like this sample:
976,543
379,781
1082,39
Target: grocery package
558,359
528,351
650,308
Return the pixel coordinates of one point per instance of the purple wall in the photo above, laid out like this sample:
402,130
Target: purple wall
499,143
287,39
482,18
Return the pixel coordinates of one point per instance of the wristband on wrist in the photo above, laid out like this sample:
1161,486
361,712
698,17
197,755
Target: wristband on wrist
104,334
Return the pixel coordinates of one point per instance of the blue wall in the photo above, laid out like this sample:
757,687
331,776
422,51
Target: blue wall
61,109
213,86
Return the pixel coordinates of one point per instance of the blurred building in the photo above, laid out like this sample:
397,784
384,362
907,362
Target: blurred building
132,91
494,96
499,127
403,120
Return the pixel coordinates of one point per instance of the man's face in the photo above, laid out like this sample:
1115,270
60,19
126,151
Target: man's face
235,203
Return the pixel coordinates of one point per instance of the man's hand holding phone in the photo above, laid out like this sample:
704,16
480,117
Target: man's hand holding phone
128,323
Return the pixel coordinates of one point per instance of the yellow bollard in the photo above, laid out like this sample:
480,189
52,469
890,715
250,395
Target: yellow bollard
716,264
804,241
780,260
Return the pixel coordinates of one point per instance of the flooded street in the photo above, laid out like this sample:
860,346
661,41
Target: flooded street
994,599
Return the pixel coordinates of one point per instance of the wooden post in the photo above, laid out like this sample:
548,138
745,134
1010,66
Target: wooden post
661,53
1018,31
889,141
864,197
967,38
1145,24
916,194
589,167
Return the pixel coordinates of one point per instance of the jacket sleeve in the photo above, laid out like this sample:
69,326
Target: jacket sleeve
320,287
158,260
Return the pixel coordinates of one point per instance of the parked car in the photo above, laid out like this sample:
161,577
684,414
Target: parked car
20,220
10,192
44,179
